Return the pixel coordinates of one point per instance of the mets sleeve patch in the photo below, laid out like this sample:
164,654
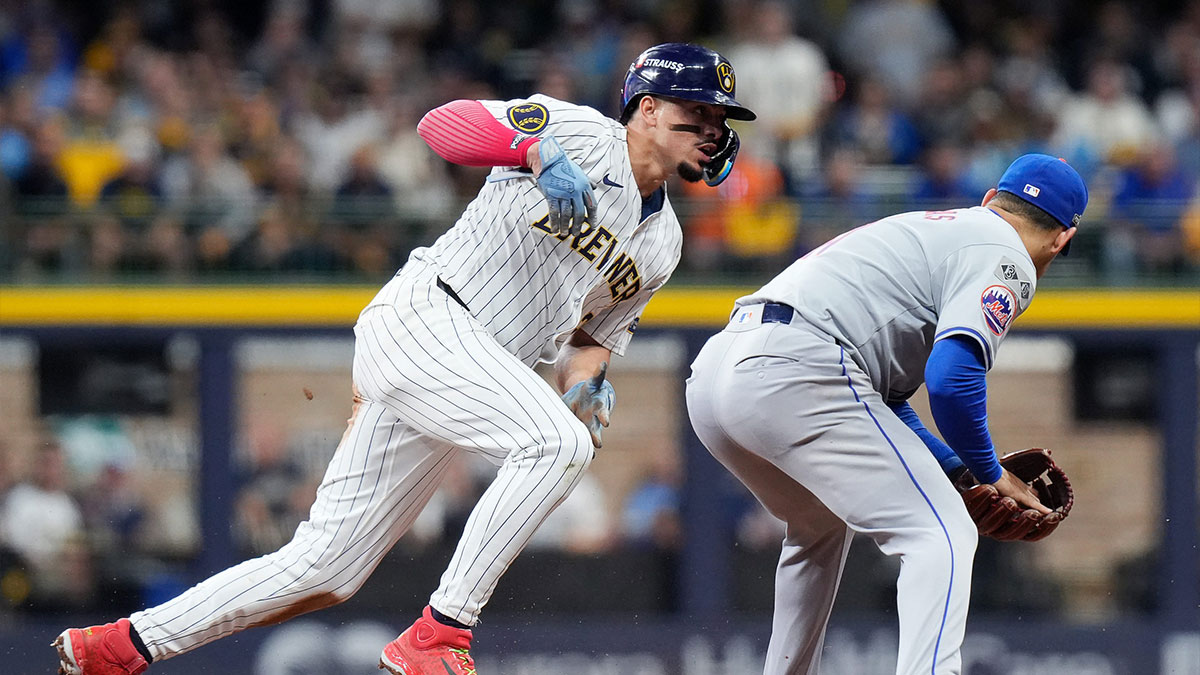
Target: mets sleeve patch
999,307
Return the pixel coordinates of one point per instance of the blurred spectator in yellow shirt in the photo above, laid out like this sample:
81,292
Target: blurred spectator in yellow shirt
749,226
90,157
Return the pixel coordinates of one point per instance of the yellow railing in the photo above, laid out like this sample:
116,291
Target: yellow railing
323,306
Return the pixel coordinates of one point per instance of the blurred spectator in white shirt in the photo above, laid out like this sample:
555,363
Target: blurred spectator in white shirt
1107,121
420,184
332,133
785,79
39,519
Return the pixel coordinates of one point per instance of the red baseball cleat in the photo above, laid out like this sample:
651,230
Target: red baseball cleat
99,650
429,648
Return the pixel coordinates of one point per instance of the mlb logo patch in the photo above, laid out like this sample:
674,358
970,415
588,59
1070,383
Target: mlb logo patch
999,307
748,315
1031,190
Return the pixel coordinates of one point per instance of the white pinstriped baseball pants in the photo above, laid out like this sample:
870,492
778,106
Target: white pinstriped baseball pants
797,421
431,382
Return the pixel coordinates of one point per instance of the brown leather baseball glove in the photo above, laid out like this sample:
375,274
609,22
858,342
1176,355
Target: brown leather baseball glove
1001,517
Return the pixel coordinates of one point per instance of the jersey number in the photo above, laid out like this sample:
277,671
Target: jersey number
940,215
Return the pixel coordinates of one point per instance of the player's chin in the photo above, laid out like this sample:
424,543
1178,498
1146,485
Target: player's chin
690,172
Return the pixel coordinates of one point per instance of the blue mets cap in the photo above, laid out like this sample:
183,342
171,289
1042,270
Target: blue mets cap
1049,184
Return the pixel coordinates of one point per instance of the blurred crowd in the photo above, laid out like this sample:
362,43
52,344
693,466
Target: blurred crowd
92,521
87,519
203,137
95,517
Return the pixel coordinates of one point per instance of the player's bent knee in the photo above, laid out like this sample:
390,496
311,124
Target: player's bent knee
569,443
327,580
566,447
319,598
344,593
334,591
574,455
579,446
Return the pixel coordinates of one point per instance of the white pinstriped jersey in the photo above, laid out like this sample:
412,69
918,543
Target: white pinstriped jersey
432,382
932,273
529,287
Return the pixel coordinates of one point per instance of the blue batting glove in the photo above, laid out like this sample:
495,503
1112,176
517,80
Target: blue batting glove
592,402
566,187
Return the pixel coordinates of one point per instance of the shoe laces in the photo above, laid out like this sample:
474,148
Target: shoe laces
464,657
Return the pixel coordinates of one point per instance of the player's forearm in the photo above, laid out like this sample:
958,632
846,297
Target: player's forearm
945,456
464,132
956,380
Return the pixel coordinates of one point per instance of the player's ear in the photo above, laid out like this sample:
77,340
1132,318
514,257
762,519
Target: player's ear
1063,238
650,107
988,197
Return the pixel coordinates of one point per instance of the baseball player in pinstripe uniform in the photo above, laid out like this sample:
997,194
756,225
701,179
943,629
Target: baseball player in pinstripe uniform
554,260
803,397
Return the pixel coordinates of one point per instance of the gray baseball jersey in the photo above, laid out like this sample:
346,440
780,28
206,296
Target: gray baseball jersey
795,404
885,291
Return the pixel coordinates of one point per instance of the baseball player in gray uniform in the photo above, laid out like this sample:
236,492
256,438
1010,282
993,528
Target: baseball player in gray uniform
554,260
803,397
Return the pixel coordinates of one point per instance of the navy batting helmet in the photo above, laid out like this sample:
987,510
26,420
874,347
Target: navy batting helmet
686,71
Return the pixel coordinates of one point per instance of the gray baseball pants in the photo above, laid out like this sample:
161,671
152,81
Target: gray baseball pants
788,412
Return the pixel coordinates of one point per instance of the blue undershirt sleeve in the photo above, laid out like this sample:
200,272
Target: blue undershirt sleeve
956,379
945,456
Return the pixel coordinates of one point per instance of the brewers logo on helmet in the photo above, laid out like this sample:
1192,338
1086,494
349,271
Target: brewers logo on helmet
725,75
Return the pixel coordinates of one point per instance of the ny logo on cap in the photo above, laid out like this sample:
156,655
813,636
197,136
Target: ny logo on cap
1031,190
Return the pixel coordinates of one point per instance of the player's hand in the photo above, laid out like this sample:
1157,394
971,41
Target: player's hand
1019,491
566,187
1028,502
592,401
721,163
